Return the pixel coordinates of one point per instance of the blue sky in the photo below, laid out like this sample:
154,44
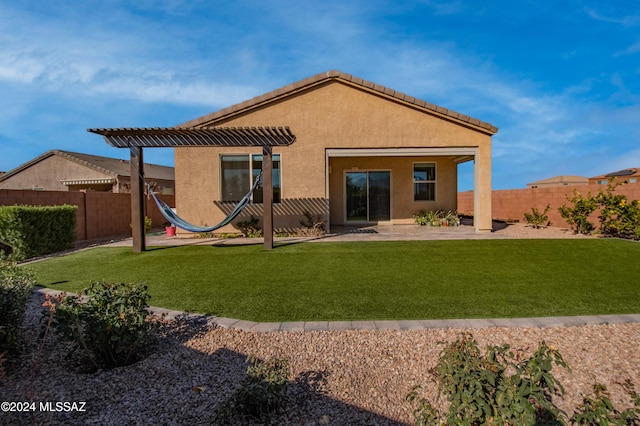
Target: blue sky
561,79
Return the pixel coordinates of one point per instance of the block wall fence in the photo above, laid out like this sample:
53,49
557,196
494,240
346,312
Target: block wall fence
99,214
512,204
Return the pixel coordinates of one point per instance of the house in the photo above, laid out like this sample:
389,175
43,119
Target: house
563,180
57,170
631,175
364,154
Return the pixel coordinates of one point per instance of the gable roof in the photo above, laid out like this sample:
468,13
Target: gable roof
561,180
107,165
335,75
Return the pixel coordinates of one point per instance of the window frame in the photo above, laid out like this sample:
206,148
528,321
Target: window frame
250,159
433,181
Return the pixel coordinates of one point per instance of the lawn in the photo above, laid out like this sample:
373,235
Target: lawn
371,280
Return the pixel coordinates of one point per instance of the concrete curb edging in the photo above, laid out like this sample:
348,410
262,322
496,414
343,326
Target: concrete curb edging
269,327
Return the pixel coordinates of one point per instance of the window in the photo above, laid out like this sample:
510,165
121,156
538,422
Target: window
602,181
238,174
424,181
633,180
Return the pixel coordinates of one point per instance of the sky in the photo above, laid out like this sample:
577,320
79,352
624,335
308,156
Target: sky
560,79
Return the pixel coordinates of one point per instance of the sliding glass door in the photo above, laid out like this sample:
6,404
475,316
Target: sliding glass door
368,196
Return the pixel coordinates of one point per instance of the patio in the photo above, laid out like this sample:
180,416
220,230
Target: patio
465,231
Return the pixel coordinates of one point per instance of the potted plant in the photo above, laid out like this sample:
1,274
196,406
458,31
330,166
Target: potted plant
170,229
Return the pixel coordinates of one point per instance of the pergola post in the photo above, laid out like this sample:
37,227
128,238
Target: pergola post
267,197
137,200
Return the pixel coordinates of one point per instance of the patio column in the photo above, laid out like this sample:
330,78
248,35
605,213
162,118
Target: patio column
482,213
137,200
267,197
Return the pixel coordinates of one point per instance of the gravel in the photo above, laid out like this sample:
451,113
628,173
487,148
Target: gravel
336,377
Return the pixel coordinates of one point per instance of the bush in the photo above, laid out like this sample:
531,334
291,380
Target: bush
578,215
112,326
261,395
250,228
505,387
436,218
501,387
311,225
34,231
16,284
537,219
618,217
148,224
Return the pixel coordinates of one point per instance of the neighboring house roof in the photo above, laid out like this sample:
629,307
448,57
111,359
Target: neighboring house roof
107,165
335,75
626,173
560,180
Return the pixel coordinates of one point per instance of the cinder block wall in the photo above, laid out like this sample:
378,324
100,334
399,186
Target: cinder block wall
512,204
99,214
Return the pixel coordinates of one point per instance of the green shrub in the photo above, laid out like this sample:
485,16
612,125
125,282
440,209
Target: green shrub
112,326
436,218
597,409
577,216
501,387
148,224
261,395
312,225
250,228
537,219
618,217
16,284
505,387
37,230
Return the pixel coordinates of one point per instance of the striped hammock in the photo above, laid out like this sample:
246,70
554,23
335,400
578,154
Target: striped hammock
176,220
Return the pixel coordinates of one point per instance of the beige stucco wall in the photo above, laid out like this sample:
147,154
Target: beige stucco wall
333,115
402,204
49,172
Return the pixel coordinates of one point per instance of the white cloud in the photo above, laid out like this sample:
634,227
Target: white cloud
626,20
634,48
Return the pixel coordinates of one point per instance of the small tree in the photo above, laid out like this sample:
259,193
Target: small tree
618,217
537,219
578,215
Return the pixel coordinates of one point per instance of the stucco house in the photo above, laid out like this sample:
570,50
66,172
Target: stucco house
58,170
563,180
631,175
364,154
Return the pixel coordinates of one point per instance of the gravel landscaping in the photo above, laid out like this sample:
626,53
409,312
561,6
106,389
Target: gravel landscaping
336,377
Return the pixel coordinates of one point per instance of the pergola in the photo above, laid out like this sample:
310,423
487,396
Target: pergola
170,137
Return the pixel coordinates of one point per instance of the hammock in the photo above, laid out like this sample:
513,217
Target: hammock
176,220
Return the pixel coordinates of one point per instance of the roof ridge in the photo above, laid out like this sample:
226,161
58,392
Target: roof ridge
339,75
71,156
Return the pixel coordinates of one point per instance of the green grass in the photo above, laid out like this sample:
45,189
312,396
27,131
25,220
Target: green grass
371,280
